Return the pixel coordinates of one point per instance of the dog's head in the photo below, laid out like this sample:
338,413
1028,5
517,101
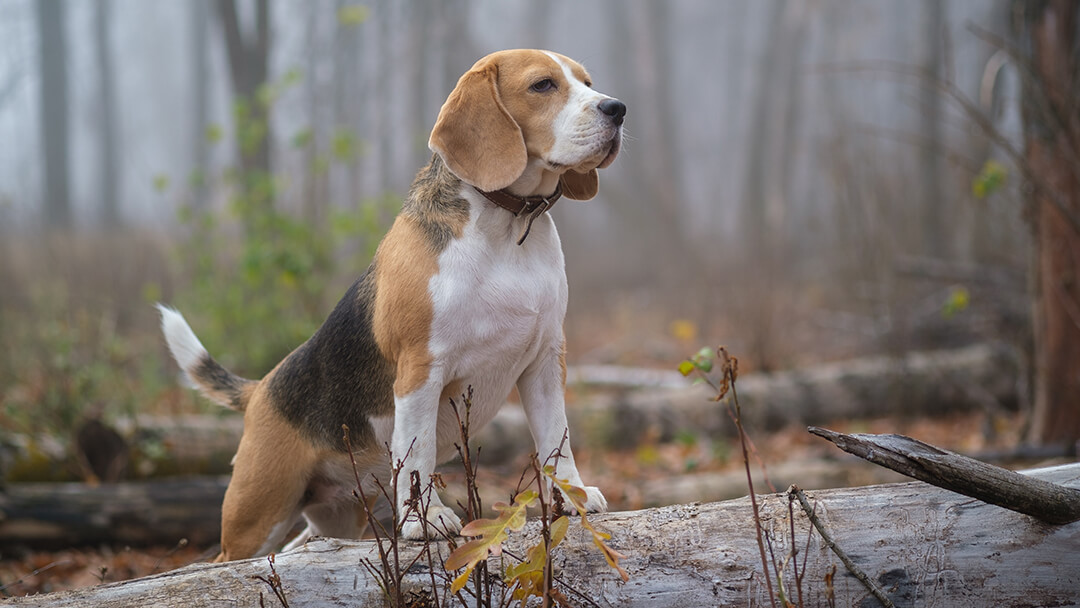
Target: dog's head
518,106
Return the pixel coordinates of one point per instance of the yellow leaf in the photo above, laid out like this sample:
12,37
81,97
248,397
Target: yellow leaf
558,530
683,329
460,581
492,533
468,553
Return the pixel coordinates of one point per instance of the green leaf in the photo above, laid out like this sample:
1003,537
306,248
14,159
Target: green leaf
990,179
352,15
957,301
343,145
302,137
213,133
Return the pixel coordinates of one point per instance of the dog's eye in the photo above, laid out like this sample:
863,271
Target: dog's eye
543,86
588,83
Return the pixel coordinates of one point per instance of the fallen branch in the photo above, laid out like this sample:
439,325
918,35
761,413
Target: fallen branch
1040,499
132,513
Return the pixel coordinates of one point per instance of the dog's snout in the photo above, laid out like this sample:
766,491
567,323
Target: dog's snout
613,108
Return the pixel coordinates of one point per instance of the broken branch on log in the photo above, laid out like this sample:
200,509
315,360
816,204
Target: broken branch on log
1040,499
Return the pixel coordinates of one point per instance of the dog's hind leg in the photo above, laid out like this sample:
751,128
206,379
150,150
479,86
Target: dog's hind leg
268,489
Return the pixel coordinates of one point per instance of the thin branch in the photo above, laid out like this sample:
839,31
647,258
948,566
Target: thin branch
827,538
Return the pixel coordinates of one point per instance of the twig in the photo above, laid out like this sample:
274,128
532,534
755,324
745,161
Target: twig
730,368
274,580
827,538
795,551
22,579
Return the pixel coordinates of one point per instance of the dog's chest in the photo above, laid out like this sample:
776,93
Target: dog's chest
496,303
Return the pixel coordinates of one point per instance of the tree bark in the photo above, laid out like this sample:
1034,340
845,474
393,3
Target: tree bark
925,546
1052,132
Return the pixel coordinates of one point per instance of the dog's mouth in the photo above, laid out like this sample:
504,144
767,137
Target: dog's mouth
613,151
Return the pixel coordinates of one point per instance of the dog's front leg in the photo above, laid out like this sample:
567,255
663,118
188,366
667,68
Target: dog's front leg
414,446
543,394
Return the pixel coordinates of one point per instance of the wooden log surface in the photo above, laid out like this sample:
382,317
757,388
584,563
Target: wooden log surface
924,545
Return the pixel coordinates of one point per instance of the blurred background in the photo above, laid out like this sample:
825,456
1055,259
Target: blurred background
804,181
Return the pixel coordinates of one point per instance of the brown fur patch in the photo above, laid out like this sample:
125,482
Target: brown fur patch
403,308
273,465
406,260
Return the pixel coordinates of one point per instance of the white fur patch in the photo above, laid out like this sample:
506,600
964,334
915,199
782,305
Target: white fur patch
583,135
183,344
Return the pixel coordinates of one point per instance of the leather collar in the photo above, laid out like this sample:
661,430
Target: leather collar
532,206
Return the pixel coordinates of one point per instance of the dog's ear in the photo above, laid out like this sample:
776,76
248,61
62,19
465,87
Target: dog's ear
580,186
475,135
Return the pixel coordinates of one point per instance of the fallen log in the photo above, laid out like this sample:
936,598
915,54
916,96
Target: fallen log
645,407
51,515
923,545
1042,500
980,377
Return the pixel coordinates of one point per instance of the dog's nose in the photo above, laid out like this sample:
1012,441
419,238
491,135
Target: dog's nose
613,108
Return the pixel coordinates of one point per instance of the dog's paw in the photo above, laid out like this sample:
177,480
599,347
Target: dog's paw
439,519
594,501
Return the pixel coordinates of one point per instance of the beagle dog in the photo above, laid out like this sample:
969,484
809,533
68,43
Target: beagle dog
468,288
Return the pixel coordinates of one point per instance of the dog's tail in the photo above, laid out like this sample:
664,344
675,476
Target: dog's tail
217,383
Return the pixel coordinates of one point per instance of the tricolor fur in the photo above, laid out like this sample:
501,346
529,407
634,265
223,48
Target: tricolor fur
449,301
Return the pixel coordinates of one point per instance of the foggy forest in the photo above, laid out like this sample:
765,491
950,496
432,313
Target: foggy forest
872,204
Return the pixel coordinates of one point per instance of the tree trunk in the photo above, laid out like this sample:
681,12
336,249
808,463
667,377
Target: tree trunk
52,46
110,205
200,102
933,203
921,544
248,66
1052,132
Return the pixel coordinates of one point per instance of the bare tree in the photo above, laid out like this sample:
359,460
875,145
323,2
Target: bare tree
1052,129
110,208
932,203
248,66
200,80
52,46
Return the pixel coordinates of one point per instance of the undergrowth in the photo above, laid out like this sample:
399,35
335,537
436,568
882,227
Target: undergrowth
480,572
